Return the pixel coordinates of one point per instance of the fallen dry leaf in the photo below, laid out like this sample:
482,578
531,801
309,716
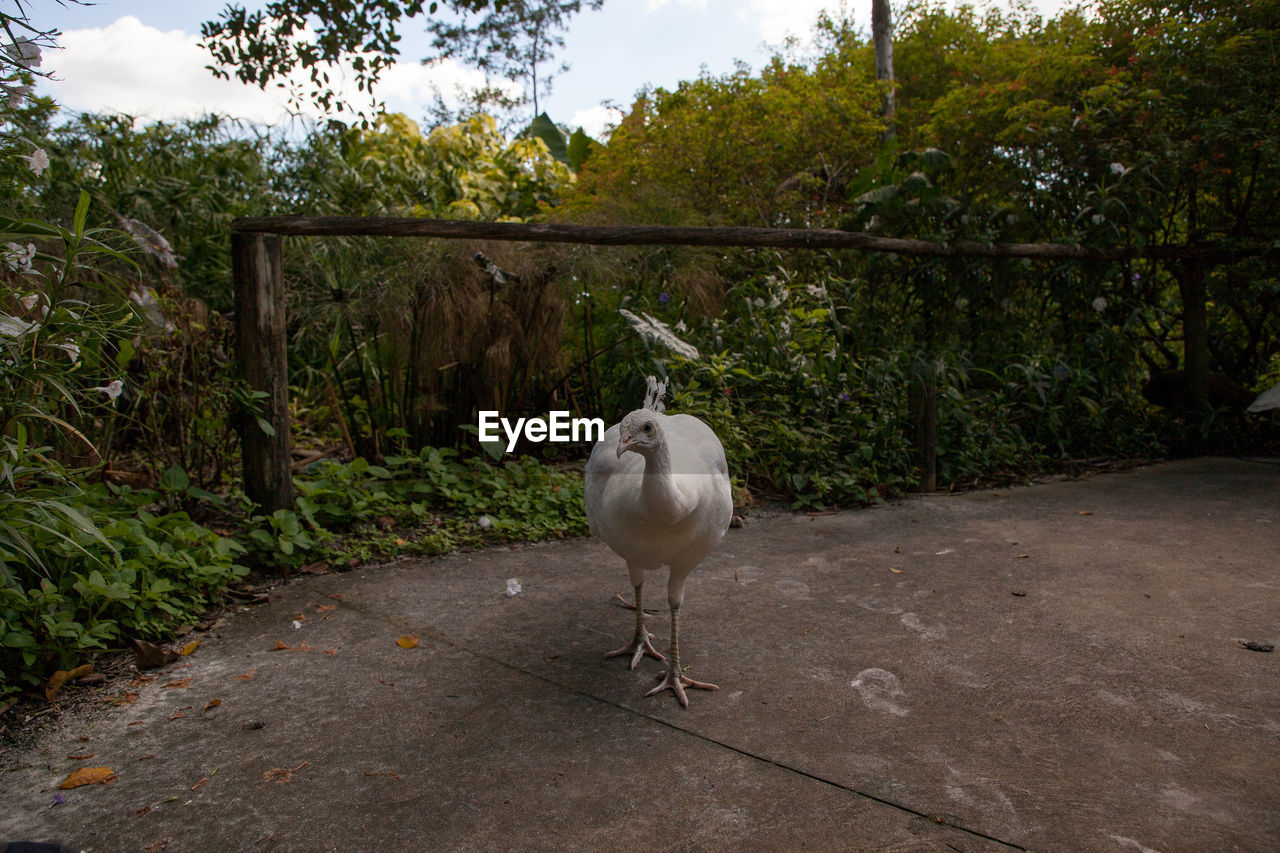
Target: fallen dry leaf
280,775
201,782
177,684
150,656
332,651
248,676
62,676
88,776
82,757
157,846
408,641
1086,512
896,571
280,647
146,757
181,713
210,705
325,608
1023,556
190,647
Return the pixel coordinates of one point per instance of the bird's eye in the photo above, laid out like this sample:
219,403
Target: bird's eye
648,427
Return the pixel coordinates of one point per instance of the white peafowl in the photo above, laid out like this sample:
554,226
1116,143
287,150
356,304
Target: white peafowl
1267,400
667,502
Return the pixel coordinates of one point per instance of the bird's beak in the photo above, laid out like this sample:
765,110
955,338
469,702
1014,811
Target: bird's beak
624,443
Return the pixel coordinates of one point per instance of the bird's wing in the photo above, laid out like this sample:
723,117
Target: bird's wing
694,447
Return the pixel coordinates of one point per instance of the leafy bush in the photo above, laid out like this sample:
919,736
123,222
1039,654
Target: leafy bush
430,502
108,570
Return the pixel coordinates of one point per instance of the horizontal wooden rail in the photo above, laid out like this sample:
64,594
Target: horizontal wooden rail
649,235
260,296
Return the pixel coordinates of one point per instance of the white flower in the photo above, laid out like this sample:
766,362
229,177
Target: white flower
72,351
29,301
112,389
15,93
14,327
681,327
18,256
1097,219
657,331
24,53
150,241
816,290
1100,304
38,160
1118,169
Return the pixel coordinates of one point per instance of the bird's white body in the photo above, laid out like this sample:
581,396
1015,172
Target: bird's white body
677,517
657,493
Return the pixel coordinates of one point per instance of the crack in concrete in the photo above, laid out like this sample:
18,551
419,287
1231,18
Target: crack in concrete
435,635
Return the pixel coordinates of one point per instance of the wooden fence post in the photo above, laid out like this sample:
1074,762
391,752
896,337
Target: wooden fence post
257,268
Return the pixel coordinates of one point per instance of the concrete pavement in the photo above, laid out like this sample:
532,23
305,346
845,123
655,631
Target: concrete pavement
1057,667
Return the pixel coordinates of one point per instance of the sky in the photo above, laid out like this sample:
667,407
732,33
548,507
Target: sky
144,57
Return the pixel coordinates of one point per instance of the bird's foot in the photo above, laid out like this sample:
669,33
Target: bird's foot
628,604
640,645
676,682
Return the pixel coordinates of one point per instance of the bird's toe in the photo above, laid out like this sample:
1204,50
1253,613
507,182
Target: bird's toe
677,683
640,645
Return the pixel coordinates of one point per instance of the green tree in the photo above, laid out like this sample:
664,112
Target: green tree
509,36
514,41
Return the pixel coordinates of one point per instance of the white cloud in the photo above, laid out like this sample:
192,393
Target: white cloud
597,122
777,19
654,5
134,68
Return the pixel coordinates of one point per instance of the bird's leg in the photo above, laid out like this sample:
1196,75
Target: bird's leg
675,680
627,604
642,643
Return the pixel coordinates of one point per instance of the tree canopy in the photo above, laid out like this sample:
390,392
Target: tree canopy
512,38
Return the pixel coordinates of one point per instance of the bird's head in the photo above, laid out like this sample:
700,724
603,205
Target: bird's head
639,432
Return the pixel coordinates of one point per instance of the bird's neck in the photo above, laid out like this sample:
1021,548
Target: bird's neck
662,498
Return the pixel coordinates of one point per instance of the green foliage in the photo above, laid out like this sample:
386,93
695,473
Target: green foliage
432,502
772,150
513,41
512,38
108,569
